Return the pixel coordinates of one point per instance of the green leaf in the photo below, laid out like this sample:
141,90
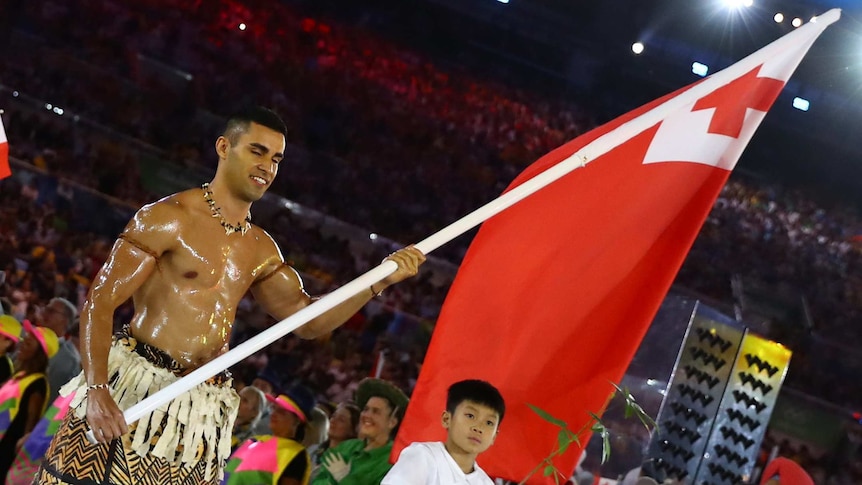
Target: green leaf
563,441
606,446
547,417
549,469
644,418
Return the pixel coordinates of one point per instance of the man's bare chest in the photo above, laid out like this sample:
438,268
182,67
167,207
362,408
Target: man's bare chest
211,260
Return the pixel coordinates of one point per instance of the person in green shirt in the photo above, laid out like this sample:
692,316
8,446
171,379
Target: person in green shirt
365,460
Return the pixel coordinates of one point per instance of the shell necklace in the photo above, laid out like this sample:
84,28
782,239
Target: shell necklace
229,228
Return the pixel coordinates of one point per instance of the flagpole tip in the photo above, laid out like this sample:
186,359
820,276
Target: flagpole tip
829,17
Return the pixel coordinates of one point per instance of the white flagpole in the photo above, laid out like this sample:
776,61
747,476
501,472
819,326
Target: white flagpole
804,35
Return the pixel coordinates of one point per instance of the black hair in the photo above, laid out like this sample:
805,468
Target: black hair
239,122
354,412
300,432
477,391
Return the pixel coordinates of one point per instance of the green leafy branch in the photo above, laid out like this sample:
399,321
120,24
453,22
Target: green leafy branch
566,437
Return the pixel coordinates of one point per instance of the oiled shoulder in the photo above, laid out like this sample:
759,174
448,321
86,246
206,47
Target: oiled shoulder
158,224
265,246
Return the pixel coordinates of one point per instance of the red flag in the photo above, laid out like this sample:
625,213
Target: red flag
5,171
555,293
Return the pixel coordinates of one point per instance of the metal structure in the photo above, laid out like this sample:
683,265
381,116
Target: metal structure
718,402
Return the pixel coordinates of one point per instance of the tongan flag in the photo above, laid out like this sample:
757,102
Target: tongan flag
556,292
5,171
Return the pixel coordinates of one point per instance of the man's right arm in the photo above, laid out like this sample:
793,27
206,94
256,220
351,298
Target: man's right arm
134,257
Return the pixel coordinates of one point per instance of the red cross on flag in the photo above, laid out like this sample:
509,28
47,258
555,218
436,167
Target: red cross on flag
5,171
556,292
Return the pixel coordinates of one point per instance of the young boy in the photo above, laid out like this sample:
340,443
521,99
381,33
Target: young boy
473,413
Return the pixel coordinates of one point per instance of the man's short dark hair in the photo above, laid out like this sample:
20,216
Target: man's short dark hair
477,391
239,122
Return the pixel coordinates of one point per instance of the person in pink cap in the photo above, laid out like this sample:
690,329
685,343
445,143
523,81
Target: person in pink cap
280,459
10,335
23,396
783,471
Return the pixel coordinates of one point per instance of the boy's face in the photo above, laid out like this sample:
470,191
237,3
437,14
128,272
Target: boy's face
472,428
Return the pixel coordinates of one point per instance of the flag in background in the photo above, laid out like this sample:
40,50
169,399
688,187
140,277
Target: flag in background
555,293
5,171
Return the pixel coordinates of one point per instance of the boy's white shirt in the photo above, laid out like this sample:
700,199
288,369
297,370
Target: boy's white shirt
430,464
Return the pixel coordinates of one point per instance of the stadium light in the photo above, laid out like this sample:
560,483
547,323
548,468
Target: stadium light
738,3
242,26
779,17
699,69
796,22
801,104
637,47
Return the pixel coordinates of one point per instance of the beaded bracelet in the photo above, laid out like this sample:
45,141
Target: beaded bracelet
94,387
375,294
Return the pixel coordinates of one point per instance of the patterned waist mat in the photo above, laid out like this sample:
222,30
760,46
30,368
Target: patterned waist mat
160,358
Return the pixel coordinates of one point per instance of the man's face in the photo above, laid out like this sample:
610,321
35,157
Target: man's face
54,316
472,427
249,403
376,420
252,161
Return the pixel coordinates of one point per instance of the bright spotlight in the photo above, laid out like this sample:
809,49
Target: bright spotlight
637,47
503,1
242,26
738,3
699,69
372,236
796,22
801,104
814,19
779,17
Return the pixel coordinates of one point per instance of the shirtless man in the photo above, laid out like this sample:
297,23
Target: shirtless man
186,261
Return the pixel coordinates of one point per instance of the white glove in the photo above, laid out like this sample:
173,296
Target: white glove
336,466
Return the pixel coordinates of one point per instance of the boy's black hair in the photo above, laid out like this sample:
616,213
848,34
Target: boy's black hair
478,391
239,122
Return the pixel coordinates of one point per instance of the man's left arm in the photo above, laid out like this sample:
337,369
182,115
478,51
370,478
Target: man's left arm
281,294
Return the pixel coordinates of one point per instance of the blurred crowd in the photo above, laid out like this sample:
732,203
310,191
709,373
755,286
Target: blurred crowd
384,138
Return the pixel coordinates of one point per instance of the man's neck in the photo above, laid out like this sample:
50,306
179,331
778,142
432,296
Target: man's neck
232,208
465,461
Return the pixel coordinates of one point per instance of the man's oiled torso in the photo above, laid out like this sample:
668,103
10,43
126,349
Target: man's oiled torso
188,304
